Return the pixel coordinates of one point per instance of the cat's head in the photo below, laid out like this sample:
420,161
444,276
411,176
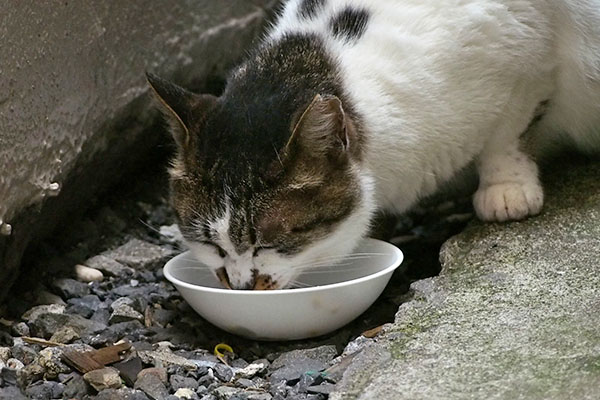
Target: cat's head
262,191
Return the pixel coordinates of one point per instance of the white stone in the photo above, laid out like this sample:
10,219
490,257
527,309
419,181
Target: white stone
87,274
14,364
4,353
184,393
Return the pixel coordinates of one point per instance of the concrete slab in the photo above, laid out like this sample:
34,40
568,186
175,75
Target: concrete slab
513,315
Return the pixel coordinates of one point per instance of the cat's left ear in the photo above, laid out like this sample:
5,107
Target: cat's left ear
181,107
324,128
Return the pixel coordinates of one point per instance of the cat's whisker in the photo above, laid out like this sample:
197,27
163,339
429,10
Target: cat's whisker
147,225
298,285
347,257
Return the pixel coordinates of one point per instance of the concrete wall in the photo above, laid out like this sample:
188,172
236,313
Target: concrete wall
74,104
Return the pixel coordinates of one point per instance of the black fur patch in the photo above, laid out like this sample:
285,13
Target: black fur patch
309,8
252,120
240,140
350,24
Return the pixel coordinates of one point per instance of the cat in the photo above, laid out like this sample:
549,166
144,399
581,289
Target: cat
347,107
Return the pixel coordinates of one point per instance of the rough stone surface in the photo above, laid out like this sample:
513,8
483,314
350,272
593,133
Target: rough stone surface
291,365
152,384
108,266
104,378
513,315
74,83
139,254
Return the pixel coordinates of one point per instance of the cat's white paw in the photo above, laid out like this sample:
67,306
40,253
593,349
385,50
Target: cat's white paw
508,201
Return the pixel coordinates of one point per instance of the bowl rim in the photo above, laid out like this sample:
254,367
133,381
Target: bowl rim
399,258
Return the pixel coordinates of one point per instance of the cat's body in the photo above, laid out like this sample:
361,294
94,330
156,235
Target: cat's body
436,82
353,106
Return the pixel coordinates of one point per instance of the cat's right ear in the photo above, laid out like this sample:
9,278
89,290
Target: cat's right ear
181,107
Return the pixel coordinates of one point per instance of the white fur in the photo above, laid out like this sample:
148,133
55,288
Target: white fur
442,83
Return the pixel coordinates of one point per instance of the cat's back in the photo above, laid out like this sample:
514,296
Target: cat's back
386,46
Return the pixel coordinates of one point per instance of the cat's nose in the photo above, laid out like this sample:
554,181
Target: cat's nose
264,282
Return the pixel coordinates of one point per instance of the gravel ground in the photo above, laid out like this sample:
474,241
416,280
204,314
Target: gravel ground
99,282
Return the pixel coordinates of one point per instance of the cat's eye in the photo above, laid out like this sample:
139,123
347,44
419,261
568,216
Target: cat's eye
258,249
222,253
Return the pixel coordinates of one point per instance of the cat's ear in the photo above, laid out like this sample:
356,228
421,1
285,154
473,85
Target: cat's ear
323,128
180,106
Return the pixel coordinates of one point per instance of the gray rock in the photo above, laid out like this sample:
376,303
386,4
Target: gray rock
20,329
104,378
109,266
160,373
24,353
9,376
101,315
33,313
133,330
75,387
121,394
152,385
65,334
258,396
291,365
12,393
512,315
223,372
226,392
45,390
137,302
245,383
139,254
84,306
166,358
46,325
323,388
163,317
68,288
178,382
124,313
129,369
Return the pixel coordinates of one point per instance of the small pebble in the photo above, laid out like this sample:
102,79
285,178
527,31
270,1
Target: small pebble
15,364
68,288
5,353
65,335
152,384
185,393
179,382
87,274
20,329
160,373
223,372
103,378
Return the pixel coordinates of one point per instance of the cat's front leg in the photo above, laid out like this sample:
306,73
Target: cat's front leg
509,187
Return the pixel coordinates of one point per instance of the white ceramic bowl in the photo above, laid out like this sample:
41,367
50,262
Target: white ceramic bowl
336,295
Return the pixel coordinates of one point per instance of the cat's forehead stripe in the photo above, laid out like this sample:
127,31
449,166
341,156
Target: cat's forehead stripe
349,24
309,8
